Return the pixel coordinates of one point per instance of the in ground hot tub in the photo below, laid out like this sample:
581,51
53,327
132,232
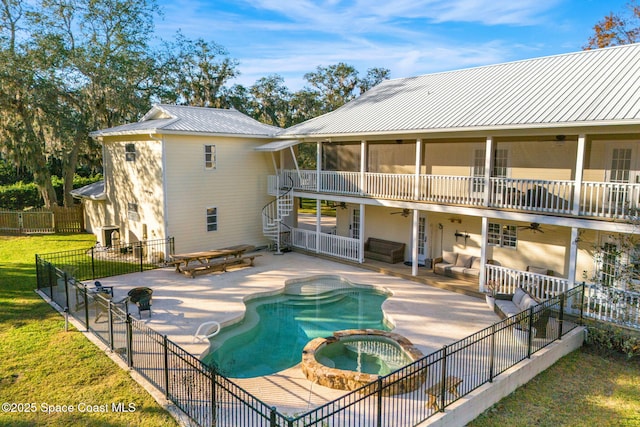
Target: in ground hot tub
354,358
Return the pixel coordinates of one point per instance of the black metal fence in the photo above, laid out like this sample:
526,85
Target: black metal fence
404,398
96,262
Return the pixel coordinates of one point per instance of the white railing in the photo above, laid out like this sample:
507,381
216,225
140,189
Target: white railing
330,244
612,305
598,199
390,185
339,246
340,182
532,195
540,286
459,190
609,199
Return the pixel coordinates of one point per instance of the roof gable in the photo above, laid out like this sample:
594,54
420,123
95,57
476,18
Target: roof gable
177,119
579,88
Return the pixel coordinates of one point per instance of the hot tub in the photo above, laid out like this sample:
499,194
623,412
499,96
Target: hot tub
351,359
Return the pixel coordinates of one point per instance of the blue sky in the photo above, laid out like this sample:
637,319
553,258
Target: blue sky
409,37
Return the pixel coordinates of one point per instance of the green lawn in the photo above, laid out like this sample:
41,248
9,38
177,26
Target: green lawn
581,389
45,367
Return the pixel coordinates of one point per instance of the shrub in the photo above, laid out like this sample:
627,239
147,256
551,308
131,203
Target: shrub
613,339
19,196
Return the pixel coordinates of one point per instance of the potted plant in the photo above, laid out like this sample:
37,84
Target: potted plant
490,293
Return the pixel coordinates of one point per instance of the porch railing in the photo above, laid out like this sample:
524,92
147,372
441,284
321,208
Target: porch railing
612,305
327,244
539,285
597,199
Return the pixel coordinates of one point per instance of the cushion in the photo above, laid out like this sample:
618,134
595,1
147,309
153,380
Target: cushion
475,262
463,260
526,302
449,257
538,270
518,295
472,271
457,269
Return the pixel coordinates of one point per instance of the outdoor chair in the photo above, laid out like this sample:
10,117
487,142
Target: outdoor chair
141,297
98,288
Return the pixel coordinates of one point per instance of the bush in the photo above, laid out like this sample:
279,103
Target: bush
613,339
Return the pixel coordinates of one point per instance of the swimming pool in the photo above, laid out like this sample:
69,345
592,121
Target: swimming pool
275,328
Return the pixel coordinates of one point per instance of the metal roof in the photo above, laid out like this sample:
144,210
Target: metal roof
583,88
93,191
178,119
278,145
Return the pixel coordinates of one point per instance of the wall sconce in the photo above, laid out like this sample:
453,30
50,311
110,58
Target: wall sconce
458,220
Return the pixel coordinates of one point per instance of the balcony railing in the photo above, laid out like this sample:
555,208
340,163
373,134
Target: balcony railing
597,199
540,286
327,244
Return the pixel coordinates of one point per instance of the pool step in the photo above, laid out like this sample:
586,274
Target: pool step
325,298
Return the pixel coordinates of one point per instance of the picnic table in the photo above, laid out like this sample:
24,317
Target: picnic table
190,263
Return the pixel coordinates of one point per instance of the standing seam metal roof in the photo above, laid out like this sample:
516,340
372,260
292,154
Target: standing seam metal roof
587,86
184,119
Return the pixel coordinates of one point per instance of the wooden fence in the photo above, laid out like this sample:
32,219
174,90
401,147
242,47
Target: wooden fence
42,221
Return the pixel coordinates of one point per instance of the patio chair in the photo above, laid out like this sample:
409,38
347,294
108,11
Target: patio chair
141,297
98,288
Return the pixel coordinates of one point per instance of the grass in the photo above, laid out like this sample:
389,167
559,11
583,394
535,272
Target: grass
582,389
308,206
45,366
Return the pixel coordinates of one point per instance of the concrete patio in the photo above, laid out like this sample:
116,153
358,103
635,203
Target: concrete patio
429,317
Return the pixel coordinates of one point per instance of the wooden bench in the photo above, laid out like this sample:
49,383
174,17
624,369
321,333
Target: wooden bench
218,265
434,393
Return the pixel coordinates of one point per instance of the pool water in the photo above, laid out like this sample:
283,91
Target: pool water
364,356
275,329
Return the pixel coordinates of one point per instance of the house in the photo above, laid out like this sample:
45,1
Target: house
184,172
532,167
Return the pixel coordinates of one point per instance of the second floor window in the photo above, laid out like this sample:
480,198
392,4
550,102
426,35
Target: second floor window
130,152
209,156
132,211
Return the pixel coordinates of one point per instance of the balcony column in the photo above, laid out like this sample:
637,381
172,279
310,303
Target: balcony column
361,235
416,212
488,167
483,253
363,166
318,223
318,165
573,258
577,187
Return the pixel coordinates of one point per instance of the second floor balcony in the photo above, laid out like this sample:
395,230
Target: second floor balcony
601,200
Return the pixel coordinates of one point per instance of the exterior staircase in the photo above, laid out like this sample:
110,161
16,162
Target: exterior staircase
274,213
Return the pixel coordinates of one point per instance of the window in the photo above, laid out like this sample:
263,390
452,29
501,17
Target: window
502,235
478,171
132,211
209,156
130,152
212,219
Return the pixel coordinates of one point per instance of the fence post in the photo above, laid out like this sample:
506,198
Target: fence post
66,289
52,271
93,264
530,327
140,248
38,278
129,342
582,304
272,417
86,306
379,396
166,365
443,378
214,408
492,352
561,316
110,313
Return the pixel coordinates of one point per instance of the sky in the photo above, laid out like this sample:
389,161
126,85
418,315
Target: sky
409,37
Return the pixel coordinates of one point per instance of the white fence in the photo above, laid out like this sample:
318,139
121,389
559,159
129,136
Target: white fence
612,305
329,244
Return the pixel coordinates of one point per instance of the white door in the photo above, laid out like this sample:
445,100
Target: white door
623,169
423,248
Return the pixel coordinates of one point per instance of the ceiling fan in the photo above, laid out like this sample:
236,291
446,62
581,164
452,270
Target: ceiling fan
405,213
534,226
